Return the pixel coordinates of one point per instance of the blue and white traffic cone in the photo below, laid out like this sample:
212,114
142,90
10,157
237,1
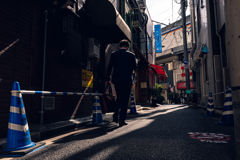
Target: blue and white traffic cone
97,112
210,107
133,106
18,137
227,115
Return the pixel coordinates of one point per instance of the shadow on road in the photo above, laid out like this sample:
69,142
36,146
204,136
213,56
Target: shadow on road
161,134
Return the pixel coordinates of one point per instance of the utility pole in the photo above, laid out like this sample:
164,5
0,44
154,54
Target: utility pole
186,61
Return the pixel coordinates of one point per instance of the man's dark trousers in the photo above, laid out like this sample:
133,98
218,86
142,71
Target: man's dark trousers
123,93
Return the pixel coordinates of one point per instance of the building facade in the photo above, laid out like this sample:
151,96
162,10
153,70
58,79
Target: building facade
62,45
172,55
215,58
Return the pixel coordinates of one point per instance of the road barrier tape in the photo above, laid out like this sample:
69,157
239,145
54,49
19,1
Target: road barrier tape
221,92
54,93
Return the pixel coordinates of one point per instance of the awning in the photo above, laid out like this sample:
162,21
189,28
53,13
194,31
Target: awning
159,69
106,24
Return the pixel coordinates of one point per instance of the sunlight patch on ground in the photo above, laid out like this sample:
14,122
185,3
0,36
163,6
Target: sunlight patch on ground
54,139
5,158
102,154
168,110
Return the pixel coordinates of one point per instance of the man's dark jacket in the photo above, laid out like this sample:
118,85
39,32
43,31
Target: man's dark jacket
123,63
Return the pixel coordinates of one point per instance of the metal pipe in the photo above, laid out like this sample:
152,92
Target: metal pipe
216,28
56,93
194,37
185,47
146,50
131,21
102,67
44,65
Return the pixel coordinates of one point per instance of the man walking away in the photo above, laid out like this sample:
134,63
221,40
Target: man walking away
123,62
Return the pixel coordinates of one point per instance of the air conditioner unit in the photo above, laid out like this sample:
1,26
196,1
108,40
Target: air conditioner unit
175,65
93,49
170,66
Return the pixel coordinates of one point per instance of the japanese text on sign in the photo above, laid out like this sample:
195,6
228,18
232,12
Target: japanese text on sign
87,78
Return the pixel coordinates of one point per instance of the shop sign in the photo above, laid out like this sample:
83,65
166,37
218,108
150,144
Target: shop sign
87,78
158,40
165,85
143,84
182,85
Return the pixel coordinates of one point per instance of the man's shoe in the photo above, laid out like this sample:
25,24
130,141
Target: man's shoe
121,123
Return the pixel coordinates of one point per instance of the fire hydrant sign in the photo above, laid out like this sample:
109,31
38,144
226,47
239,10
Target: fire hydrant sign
87,78
210,137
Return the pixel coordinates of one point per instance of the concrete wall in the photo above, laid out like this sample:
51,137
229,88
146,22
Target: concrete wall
232,13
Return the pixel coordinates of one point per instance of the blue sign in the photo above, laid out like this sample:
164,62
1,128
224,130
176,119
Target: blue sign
185,61
158,38
148,45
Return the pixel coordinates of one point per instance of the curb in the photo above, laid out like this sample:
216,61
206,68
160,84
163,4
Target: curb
38,131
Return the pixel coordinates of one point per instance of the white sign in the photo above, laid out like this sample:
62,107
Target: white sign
143,84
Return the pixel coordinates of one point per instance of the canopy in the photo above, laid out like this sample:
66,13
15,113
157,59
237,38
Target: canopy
105,23
158,69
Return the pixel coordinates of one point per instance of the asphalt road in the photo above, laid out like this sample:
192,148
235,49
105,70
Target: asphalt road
169,132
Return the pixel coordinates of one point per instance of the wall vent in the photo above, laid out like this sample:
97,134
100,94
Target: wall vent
49,103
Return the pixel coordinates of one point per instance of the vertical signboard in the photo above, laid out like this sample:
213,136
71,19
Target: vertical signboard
148,45
158,40
87,78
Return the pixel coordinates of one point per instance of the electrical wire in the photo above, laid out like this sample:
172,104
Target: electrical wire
169,45
176,1
163,11
168,17
174,25
155,3
174,34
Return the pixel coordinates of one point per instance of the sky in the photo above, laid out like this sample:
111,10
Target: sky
165,11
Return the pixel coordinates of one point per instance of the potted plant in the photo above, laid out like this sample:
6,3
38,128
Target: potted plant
156,95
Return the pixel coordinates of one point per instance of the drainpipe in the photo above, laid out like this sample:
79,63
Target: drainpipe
123,10
194,37
131,21
202,77
146,50
44,65
216,27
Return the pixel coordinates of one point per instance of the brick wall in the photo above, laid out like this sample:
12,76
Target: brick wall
23,62
15,63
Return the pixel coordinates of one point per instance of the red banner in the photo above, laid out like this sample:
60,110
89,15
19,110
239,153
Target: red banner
182,85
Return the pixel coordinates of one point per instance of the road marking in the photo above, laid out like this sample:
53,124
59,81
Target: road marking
210,137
